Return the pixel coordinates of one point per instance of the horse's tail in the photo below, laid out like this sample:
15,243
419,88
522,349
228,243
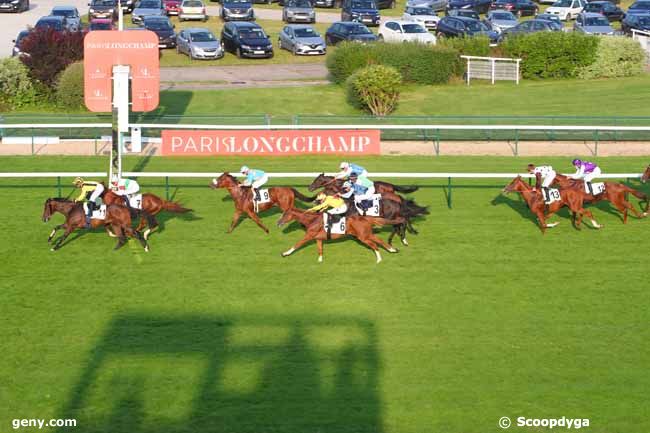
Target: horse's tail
406,189
301,196
172,206
378,221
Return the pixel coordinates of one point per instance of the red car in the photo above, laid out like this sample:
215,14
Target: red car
101,24
172,7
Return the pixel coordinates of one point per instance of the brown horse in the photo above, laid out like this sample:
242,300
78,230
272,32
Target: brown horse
358,226
646,175
322,181
535,201
151,205
616,193
117,218
280,196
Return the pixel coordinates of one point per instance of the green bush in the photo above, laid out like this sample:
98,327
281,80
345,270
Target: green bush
70,87
16,87
615,57
467,46
375,88
417,63
552,54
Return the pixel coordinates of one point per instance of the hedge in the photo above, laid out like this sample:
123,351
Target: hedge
16,86
615,57
70,87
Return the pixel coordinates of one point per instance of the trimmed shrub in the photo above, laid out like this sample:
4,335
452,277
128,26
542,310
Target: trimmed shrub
49,52
552,54
70,87
467,46
16,87
375,88
417,63
615,57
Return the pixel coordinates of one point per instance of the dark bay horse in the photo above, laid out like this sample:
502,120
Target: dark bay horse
616,193
151,206
118,219
535,201
331,186
357,226
322,181
283,197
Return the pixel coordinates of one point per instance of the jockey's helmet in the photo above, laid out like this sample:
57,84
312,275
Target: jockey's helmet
576,162
354,176
344,165
78,182
347,185
244,169
321,196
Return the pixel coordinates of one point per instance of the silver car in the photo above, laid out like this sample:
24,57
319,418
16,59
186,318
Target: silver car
436,5
593,24
302,40
147,8
71,15
199,43
298,11
501,20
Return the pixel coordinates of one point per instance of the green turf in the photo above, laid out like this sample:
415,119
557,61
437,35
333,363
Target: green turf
481,317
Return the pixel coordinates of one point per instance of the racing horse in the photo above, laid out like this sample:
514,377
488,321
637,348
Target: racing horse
535,201
151,206
646,175
322,181
357,226
118,218
616,193
283,197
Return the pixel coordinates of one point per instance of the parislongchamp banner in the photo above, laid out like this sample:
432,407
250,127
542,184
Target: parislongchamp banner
270,143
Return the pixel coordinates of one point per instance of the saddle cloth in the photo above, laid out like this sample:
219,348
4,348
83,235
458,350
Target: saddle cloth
373,210
598,187
338,228
265,197
98,214
553,196
136,201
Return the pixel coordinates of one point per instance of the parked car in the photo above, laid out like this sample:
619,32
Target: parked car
639,7
14,5
16,51
147,8
199,43
566,9
193,10
102,9
385,4
163,28
480,6
404,31
423,15
363,11
467,13
348,31
71,15
246,39
128,5
295,11
530,26
635,22
592,24
325,3
301,39
172,7
605,8
552,18
241,10
58,24
501,20
101,24
451,27
436,5
518,7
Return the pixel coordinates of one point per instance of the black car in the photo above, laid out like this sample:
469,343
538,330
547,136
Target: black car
531,26
518,7
237,10
639,7
610,11
55,23
16,51
467,13
636,22
14,5
480,6
362,11
102,9
348,31
246,39
451,27
163,28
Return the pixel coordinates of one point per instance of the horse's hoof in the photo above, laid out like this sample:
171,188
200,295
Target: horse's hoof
393,250
52,249
146,249
320,259
405,242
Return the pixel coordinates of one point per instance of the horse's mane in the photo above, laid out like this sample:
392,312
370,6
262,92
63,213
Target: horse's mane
60,199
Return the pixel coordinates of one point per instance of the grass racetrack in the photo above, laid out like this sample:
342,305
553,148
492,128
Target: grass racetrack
481,317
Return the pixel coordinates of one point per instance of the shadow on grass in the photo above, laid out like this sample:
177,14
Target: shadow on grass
239,374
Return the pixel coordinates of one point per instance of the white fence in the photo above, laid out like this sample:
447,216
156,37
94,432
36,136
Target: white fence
492,68
644,39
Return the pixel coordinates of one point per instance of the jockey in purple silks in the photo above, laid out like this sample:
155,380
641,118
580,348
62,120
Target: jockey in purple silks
587,171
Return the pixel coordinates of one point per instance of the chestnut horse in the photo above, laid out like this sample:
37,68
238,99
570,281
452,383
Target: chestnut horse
616,193
357,226
283,197
381,187
151,205
118,219
535,201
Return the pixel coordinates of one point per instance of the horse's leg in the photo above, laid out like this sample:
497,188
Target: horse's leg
376,239
367,241
319,244
120,235
257,220
301,242
60,226
629,206
392,234
235,220
410,227
137,235
403,234
542,221
591,217
68,229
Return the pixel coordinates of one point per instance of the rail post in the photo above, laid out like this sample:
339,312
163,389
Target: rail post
436,142
95,145
58,186
596,142
32,141
449,192
516,142
166,187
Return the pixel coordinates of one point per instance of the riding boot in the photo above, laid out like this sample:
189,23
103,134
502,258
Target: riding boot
91,208
545,193
590,188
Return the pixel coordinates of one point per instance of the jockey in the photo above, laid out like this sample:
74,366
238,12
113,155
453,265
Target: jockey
361,188
587,171
125,188
335,204
544,177
255,179
347,168
90,192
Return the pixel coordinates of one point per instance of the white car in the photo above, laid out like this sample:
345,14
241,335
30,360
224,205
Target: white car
566,9
404,31
193,10
423,15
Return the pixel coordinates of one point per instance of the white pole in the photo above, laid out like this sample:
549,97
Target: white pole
493,63
469,63
120,16
120,115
